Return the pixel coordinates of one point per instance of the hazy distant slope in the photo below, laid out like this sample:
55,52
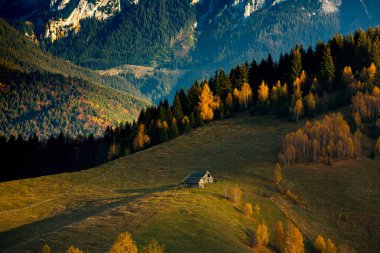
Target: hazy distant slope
43,94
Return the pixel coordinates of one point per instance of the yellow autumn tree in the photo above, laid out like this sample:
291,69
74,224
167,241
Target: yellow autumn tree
277,174
153,247
245,95
124,244
248,209
293,242
298,109
46,249
319,244
237,194
349,79
263,92
310,102
141,138
229,101
72,249
330,247
262,235
206,103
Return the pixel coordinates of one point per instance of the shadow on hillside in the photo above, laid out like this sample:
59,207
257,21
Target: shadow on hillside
32,232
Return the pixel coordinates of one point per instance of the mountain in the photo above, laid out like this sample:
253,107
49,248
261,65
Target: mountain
44,95
196,36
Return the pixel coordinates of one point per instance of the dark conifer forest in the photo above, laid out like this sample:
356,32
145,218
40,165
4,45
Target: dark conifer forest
303,83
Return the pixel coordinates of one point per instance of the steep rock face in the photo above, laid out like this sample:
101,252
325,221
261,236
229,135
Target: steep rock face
99,9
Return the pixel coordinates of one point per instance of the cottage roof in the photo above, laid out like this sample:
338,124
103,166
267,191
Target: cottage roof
196,176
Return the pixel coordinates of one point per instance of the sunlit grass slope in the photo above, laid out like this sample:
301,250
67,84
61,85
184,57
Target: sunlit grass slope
139,194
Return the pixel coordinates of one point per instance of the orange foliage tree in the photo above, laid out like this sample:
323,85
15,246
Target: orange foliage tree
207,103
327,139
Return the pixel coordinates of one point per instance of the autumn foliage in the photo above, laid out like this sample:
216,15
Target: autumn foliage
323,140
124,244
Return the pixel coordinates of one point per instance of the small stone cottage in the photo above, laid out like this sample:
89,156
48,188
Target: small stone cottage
198,179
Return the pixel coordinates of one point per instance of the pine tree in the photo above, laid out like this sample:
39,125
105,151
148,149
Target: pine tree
186,124
296,67
173,131
327,71
177,108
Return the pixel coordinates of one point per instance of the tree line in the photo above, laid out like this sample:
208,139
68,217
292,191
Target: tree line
319,80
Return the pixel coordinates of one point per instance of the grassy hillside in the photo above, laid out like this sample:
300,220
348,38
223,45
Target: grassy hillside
46,95
138,193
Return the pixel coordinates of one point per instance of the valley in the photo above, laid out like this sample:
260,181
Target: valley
139,194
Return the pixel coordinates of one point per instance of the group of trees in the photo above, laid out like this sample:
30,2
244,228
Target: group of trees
43,104
285,240
324,140
323,246
123,244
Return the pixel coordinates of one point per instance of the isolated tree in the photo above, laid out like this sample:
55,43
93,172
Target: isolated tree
46,249
262,235
153,247
248,209
293,242
124,244
72,249
319,244
277,174
237,193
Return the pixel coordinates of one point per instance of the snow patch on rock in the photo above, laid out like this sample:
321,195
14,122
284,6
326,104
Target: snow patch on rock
330,6
99,9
